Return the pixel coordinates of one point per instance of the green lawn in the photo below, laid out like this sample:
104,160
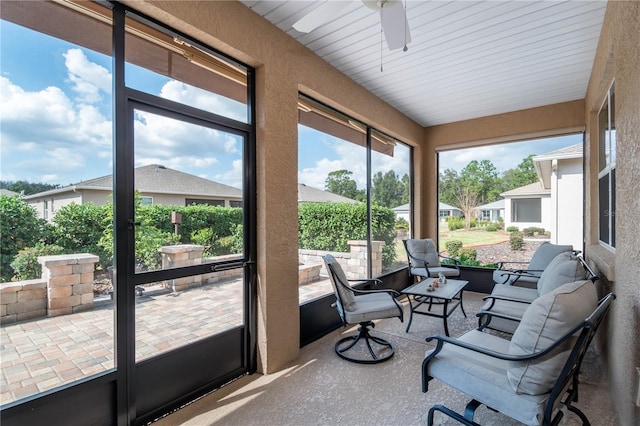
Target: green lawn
472,237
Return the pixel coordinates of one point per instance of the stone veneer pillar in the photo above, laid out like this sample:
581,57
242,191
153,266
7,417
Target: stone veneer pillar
69,279
182,255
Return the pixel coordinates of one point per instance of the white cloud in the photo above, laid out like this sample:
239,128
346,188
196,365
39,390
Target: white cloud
232,177
504,156
189,95
89,78
45,134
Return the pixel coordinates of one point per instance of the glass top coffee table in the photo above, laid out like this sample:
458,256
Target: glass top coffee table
442,295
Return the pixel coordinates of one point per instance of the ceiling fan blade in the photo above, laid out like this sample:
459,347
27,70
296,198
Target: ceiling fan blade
321,15
395,25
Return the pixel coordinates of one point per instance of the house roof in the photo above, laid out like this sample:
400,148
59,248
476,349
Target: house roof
155,178
544,162
441,206
8,193
499,204
308,194
535,188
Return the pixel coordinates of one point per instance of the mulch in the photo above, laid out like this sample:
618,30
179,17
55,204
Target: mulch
502,252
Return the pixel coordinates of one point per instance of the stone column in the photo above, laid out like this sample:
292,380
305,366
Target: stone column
69,280
182,255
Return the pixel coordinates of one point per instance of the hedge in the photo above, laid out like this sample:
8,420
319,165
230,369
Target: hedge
328,226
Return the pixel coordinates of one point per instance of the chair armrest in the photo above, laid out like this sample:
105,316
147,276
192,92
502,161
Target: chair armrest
507,299
456,261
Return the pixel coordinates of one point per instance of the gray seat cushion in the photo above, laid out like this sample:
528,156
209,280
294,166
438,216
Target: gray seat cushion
485,378
433,272
372,306
547,319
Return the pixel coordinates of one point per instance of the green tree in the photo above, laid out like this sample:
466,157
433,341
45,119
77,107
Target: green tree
406,189
340,182
19,228
523,174
449,181
386,189
481,178
26,188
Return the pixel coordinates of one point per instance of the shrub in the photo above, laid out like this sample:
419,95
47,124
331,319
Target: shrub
491,228
516,240
513,229
78,228
25,265
468,255
328,226
19,228
532,230
473,222
453,247
455,223
402,224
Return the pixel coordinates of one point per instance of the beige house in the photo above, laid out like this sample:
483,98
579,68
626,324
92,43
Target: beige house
156,184
555,201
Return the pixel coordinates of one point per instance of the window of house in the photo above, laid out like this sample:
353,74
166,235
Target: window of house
146,201
526,210
607,171
486,214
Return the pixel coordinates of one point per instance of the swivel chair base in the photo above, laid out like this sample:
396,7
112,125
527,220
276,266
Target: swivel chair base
343,345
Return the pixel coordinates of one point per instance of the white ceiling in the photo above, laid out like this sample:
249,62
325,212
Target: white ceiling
467,59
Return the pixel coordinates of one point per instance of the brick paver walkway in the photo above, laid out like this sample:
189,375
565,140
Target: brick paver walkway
42,354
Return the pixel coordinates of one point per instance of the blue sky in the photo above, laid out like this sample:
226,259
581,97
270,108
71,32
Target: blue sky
56,124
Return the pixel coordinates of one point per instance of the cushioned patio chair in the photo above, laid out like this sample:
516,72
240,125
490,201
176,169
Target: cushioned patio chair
362,307
530,378
506,304
529,276
424,260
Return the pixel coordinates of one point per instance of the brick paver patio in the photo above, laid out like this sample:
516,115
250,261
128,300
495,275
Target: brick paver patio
45,353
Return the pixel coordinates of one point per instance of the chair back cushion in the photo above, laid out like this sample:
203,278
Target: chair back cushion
564,268
340,283
424,250
547,319
545,254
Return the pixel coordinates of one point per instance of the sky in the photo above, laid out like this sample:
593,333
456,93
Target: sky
56,124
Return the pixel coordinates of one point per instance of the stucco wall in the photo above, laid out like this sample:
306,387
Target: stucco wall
567,203
618,58
283,68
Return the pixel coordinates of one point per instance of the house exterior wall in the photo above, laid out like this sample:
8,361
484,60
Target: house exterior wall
54,203
284,68
618,58
567,203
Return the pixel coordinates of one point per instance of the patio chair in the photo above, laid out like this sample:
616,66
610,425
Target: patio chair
531,378
362,307
529,276
506,304
424,260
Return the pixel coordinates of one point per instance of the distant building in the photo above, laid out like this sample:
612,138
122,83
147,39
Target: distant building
445,211
8,193
156,184
491,212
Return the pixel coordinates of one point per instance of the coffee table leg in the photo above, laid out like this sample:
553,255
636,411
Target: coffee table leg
410,313
461,305
444,317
